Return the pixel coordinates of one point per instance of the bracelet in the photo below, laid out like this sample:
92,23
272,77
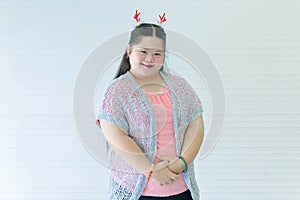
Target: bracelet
184,164
150,171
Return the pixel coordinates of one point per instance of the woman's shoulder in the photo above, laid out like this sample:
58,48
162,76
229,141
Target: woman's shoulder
120,84
180,85
176,80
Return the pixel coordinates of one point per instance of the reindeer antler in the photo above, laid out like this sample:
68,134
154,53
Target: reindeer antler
136,16
162,18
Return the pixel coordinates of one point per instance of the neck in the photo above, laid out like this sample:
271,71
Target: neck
153,81
147,79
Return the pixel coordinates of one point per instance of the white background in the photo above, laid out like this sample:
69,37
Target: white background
254,44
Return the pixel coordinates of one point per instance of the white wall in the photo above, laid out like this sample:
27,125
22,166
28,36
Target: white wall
254,44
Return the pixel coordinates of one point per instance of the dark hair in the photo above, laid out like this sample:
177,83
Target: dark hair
144,29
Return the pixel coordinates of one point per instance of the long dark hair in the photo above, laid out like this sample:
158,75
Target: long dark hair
144,29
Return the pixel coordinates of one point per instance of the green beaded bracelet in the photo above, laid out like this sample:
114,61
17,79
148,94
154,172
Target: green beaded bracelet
184,164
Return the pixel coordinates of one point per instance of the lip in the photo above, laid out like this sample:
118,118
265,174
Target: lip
147,65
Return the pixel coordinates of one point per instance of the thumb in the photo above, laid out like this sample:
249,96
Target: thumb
167,157
161,165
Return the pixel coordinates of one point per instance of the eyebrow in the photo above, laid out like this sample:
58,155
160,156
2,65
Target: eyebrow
159,50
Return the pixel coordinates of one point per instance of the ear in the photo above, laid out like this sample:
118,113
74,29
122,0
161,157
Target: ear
128,50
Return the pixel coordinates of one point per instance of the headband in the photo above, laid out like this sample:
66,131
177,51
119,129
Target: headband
162,18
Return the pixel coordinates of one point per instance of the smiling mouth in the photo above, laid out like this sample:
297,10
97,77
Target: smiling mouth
149,66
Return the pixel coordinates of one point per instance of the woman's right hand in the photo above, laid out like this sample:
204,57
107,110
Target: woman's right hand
161,174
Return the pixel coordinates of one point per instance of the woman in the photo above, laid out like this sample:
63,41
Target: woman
153,122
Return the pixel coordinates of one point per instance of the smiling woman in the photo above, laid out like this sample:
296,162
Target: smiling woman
143,37
153,123
146,58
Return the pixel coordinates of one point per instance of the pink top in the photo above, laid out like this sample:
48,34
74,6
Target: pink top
162,102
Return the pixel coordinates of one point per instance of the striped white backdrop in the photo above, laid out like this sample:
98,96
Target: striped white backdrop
254,44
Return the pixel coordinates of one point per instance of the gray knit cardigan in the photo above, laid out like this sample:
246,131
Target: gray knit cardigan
124,104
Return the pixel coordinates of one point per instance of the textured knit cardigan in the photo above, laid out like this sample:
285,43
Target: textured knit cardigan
124,104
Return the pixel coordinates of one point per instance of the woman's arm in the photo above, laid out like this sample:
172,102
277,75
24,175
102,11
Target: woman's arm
191,145
131,153
125,147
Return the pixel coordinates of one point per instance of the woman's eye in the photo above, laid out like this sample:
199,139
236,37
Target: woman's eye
143,52
157,54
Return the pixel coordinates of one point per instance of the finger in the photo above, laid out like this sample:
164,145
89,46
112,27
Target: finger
161,165
157,182
175,177
172,174
172,179
167,157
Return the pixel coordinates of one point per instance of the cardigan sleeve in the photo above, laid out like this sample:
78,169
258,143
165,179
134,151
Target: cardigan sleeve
111,108
195,108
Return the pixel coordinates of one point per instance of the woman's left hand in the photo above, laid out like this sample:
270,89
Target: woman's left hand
162,175
171,159
175,164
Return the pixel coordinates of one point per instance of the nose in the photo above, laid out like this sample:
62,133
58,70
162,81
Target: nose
149,58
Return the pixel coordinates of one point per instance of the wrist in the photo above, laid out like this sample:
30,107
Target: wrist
149,173
185,165
176,166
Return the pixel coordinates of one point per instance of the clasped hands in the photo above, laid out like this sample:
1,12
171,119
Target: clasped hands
162,174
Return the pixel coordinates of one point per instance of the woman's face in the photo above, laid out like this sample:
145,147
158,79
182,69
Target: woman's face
146,58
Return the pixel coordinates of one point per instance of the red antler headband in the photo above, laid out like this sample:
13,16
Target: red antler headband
136,17
162,18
